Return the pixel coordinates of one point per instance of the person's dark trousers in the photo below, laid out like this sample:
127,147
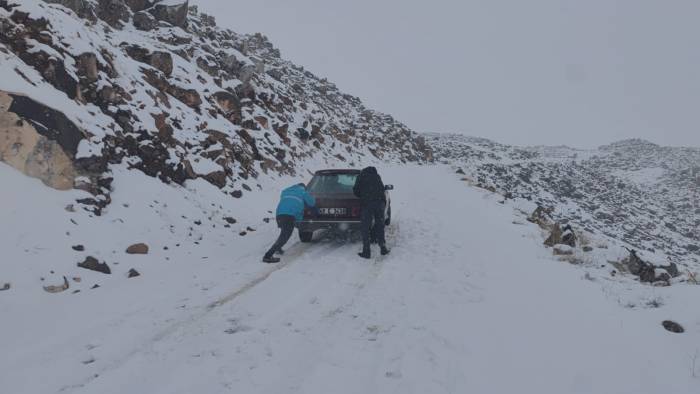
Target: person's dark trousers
372,211
286,225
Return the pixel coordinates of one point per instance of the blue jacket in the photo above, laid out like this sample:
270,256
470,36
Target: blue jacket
293,200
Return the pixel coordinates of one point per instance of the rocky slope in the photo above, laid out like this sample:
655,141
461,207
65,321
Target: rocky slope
644,195
157,86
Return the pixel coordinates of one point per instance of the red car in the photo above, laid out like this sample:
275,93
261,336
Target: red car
338,207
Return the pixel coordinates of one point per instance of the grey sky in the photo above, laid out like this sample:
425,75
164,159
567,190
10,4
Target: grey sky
581,73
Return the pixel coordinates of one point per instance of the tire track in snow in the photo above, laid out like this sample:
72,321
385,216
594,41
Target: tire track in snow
293,254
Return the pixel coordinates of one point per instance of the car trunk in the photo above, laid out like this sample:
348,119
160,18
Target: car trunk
335,206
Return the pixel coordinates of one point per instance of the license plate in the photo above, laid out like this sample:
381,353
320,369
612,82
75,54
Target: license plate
333,211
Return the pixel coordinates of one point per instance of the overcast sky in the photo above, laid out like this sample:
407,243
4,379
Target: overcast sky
581,73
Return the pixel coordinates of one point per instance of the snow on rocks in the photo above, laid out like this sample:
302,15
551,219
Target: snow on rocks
190,101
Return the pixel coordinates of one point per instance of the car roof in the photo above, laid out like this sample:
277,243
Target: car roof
338,171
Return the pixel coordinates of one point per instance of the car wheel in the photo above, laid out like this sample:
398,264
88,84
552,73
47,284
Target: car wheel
306,236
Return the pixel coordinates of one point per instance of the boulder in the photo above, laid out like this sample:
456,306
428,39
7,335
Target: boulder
174,14
672,326
162,61
144,21
139,248
568,237
92,264
38,141
139,5
87,67
555,236
540,216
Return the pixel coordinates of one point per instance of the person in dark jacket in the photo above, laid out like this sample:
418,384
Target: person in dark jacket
290,209
370,189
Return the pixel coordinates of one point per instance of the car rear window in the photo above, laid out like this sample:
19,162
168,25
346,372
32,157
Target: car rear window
332,183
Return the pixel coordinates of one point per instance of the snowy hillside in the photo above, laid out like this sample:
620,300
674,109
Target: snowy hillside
644,195
159,87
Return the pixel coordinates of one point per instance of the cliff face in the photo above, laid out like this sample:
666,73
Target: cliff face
157,86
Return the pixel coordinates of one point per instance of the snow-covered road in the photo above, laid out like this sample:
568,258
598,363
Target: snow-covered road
466,302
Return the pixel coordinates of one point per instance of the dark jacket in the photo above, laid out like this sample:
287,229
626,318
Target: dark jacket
369,186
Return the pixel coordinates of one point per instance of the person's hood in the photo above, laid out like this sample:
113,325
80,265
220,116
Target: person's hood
370,170
298,186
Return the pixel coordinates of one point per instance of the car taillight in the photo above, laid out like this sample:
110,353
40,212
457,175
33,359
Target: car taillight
355,212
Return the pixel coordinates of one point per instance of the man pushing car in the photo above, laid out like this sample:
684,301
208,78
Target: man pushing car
370,189
290,209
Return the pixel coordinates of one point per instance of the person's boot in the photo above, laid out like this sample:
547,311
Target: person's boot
384,251
270,259
365,254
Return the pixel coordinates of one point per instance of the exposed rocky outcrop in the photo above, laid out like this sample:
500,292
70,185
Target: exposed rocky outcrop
634,191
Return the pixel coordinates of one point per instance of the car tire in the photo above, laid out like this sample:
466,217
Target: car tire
306,236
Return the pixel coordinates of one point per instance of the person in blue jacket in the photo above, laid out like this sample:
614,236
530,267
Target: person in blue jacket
290,209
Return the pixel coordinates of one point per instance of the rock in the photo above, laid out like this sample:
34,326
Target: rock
139,248
92,264
114,12
162,61
133,273
568,237
661,275
87,67
230,220
140,5
38,141
58,289
587,248
460,171
144,21
175,14
216,178
540,216
5,287
672,270
78,248
555,236
672,326
633,263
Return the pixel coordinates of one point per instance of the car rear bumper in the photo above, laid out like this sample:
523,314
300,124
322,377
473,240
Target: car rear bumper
341,224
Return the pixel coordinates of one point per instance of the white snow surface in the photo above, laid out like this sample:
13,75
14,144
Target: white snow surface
467,302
